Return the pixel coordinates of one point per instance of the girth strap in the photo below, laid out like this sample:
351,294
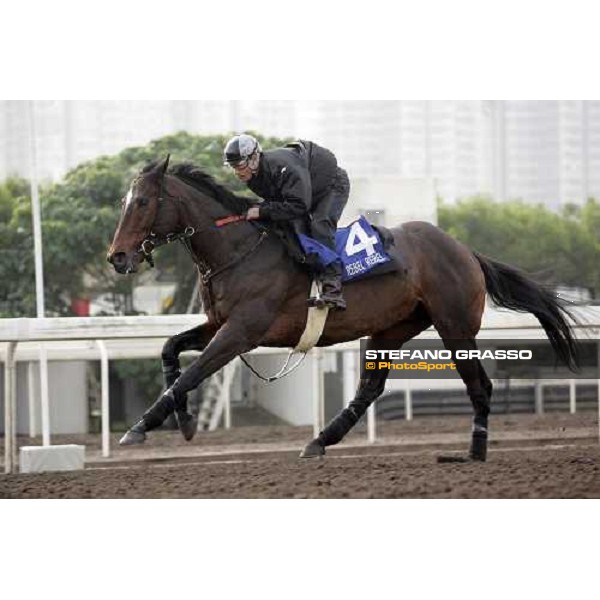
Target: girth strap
315,323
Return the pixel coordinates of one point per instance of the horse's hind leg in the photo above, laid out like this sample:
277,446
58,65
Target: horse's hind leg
479,389
480,420
371,386
457,317
192,339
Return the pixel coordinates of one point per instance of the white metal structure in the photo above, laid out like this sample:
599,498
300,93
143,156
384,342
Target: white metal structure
15,331
216,399
37,459
113,337
103,334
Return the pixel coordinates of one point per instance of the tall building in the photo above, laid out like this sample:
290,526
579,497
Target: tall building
539,151
414,139
14,150
545,151
71,132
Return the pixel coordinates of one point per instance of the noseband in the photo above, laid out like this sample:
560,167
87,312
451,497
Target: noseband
154,241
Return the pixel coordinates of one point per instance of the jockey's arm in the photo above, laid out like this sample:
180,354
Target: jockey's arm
296,196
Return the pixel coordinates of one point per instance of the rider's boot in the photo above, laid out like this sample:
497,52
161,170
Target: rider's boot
331,288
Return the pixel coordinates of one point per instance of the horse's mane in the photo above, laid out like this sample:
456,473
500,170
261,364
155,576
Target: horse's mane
203,182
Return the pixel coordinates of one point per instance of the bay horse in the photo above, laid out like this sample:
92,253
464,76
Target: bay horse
255,295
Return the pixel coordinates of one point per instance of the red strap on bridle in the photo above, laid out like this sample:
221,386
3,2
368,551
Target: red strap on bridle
230,219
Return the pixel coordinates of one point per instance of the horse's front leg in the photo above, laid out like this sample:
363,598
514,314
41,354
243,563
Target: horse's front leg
196,338
231,340
192,339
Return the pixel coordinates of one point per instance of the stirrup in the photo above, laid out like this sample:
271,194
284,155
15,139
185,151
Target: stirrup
333,303
316,302
320,300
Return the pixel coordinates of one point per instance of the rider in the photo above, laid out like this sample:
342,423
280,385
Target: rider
301,181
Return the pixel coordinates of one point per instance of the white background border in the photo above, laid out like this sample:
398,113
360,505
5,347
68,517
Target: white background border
301,50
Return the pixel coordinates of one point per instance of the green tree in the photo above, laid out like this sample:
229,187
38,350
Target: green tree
79,216
17,283
558,247
589,216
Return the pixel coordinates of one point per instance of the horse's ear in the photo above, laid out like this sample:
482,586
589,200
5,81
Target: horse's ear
165,165
157,169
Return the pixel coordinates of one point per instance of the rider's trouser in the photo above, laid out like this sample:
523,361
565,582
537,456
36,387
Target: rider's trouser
324,219
327,211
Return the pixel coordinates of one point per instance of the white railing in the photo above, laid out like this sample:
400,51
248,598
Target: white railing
92,338
97,329
105,338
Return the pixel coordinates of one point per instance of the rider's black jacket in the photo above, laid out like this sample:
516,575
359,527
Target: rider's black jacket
293,179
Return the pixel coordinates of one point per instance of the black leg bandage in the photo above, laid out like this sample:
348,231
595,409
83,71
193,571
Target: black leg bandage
338,427
155,416
171,371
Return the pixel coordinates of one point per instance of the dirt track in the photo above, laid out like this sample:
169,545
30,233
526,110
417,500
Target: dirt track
555,456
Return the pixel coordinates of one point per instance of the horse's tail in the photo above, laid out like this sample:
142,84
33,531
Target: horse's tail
515,290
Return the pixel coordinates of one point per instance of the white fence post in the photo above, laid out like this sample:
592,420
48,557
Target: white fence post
371,422
31,398
408,407
227,409
228,374
10,409
572,397
44,395
104,385
318,390
539,398
350,375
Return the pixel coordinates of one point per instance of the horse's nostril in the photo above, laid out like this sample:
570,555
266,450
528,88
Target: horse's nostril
118,259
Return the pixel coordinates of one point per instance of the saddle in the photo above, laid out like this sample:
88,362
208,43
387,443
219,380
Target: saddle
311,262
393,264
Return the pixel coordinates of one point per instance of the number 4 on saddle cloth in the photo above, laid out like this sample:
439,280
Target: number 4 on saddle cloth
360,247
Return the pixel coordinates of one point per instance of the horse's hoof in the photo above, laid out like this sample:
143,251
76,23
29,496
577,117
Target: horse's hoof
188,425
476,457
313,450
443,459
478,450
132,438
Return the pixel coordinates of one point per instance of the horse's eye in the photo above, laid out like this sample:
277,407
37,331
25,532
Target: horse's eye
142,201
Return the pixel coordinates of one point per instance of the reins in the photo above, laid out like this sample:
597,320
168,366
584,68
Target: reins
282,372
229,219
209,274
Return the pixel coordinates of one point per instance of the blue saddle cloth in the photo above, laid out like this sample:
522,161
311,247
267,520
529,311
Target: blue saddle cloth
359,249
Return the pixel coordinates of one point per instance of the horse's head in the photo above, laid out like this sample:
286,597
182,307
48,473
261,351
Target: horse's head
139,217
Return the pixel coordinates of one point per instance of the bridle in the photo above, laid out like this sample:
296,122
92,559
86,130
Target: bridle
154,241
